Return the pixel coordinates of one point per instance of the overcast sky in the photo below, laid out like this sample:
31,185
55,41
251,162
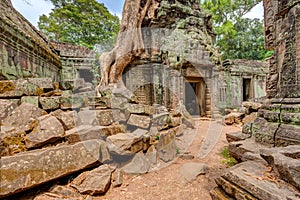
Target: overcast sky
36,8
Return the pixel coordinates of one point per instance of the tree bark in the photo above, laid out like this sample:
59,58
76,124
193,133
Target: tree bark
129,43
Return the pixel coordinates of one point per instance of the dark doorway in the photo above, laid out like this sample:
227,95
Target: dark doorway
246,89
86,74
191,100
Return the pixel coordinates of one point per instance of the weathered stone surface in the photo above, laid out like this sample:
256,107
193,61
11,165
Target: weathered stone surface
50,103
67,118
71,102
249,176
65,191
233,117
287,167
34,100
48,130
236,136
139,121
30,169
238,149
7,106
93,182
117,178
191,171
88,132
6,86
123,142
233,190
251,106
23,116
264,131
86,117
54,196
151,155
166,147
138,165
104,117
11,141
287,134
161,121
218,194
187,119
139,109
247,129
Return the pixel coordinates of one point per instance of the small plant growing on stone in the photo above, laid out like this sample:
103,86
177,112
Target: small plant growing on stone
157,137
177,151
228,160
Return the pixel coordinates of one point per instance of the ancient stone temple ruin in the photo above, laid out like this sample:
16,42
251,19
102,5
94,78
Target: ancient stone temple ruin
25,52
269,148
240,80
179,60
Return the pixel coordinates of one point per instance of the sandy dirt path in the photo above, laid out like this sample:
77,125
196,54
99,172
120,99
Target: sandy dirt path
168,183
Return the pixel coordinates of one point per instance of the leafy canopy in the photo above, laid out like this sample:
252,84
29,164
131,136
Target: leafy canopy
80,22
237,37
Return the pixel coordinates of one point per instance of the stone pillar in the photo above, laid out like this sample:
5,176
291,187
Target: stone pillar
279,119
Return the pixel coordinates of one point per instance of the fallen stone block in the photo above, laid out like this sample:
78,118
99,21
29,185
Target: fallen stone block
48,129
139,121
27,170
124,143
251,176
139,109
287,167
23,116
238,149
117,178
67,118
88,132
233,118
287,134
49,103
236,136
166,146
104,117
191,171
65,191
86,117
93,182
34,100
138,165
7,106
218,194
161,121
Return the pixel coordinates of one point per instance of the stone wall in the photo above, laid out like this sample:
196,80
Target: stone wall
24,51
76,61
235,77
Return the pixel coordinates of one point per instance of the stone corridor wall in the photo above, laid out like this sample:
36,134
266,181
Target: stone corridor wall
76,61
24,51
230,85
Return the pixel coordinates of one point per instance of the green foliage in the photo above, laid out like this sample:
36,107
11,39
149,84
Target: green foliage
228,160
237,37
80,22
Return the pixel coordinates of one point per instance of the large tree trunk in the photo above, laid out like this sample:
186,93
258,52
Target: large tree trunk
129,42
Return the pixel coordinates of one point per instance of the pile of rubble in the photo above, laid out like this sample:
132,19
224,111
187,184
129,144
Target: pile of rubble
247,113
48,133
270,162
